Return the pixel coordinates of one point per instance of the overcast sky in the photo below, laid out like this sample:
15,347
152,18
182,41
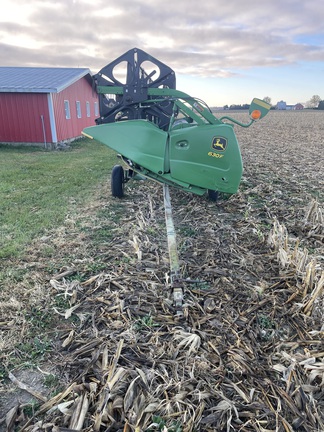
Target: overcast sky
223,51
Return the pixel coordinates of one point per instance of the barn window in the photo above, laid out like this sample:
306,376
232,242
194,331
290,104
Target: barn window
67,109
88,108
78,109
96,111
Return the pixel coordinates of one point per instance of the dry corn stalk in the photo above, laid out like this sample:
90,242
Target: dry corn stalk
27,388
314,221
295,259
80,410
316,294
278,237
136,246
314,214
190,340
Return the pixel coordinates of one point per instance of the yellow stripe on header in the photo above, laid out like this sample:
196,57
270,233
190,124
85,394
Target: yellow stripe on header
86,135
261,103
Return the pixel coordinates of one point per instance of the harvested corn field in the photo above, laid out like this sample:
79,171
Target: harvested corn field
247,354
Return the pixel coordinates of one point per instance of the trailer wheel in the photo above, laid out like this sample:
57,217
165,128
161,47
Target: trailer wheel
117,181
213,195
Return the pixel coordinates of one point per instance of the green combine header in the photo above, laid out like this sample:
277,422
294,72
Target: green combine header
165,134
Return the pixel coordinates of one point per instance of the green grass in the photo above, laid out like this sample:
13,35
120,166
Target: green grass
39,188
145,322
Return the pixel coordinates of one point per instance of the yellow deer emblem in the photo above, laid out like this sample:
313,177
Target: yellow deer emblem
219,144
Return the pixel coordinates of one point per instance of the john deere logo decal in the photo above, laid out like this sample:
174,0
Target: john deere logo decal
219,143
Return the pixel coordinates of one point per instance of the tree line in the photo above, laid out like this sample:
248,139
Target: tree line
315,102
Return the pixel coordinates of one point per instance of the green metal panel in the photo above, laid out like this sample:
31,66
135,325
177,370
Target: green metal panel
206,156
138,140
260,105
194,158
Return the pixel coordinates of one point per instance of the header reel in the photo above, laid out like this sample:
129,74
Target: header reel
129,78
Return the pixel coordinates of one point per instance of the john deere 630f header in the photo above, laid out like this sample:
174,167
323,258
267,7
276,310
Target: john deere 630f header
163,133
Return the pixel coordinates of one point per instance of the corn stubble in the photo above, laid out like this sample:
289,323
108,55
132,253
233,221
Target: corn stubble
248,353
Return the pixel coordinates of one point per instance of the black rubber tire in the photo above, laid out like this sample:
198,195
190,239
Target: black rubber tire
213,195
117,181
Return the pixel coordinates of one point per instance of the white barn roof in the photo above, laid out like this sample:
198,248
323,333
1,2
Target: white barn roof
38,79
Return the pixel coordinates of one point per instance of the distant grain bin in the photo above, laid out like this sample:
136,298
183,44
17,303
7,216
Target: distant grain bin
281,105
45,105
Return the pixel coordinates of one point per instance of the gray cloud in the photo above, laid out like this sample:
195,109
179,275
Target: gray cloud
213,38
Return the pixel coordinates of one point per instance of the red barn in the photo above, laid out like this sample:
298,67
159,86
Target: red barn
45,105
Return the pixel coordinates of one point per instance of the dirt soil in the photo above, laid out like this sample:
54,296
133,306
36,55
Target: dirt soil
245,352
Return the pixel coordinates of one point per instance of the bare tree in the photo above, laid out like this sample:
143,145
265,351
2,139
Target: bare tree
314,101
267,99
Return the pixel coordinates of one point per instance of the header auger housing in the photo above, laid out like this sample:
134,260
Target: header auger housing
163,133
